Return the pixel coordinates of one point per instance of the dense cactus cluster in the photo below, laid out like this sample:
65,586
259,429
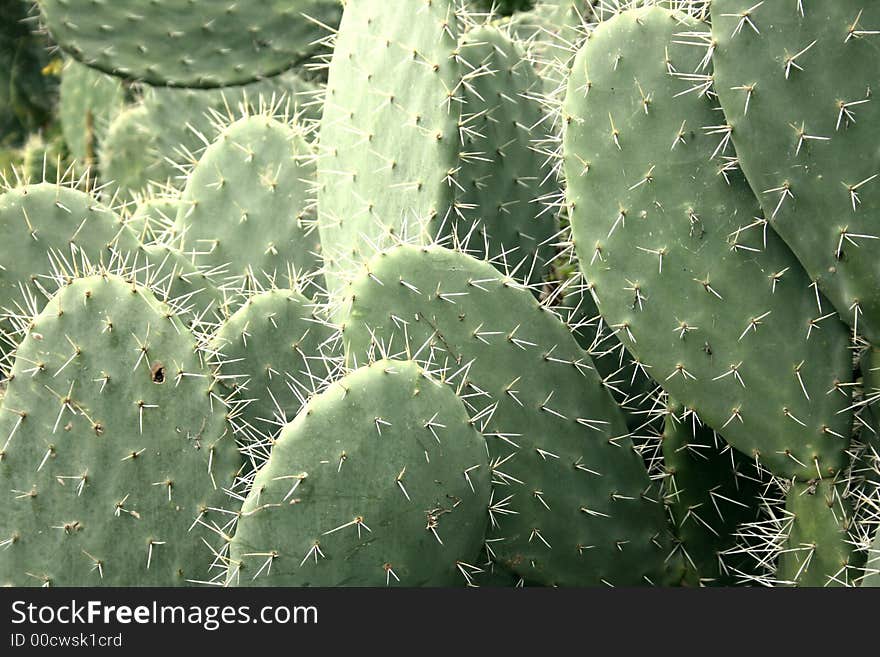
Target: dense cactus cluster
439,293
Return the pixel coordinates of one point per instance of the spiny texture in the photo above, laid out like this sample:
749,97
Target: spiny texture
380,481
89,101
191,290
153,216
502,179
248,203
709,489
796,81
569,504
694,284
46,228
625,376
112,455
389,133
551,28
185,44
818,551
272,351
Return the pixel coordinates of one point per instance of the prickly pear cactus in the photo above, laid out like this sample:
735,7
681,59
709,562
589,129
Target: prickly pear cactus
174,43
570,503
797,84
696,286
275,351
818,550
49,228
380,481
389,133
248,204
89,102
502,171
112,459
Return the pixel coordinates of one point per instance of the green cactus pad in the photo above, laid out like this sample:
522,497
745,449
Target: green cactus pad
112,445
797,84
380,481
671,248
710,489
272,351
569,497
176,43
45,225
248,204
89,102
819,550
502,171
389,133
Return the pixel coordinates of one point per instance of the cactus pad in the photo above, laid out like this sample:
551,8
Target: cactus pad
175,43
675,250
380,481
797,84
248,204
111,449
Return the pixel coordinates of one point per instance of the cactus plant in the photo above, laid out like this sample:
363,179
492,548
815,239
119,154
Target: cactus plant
570,497
486,272
397,495
128,156
154,214
818,551
168,43
112,459
44,159
169,127
248,204
669,244
389,133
